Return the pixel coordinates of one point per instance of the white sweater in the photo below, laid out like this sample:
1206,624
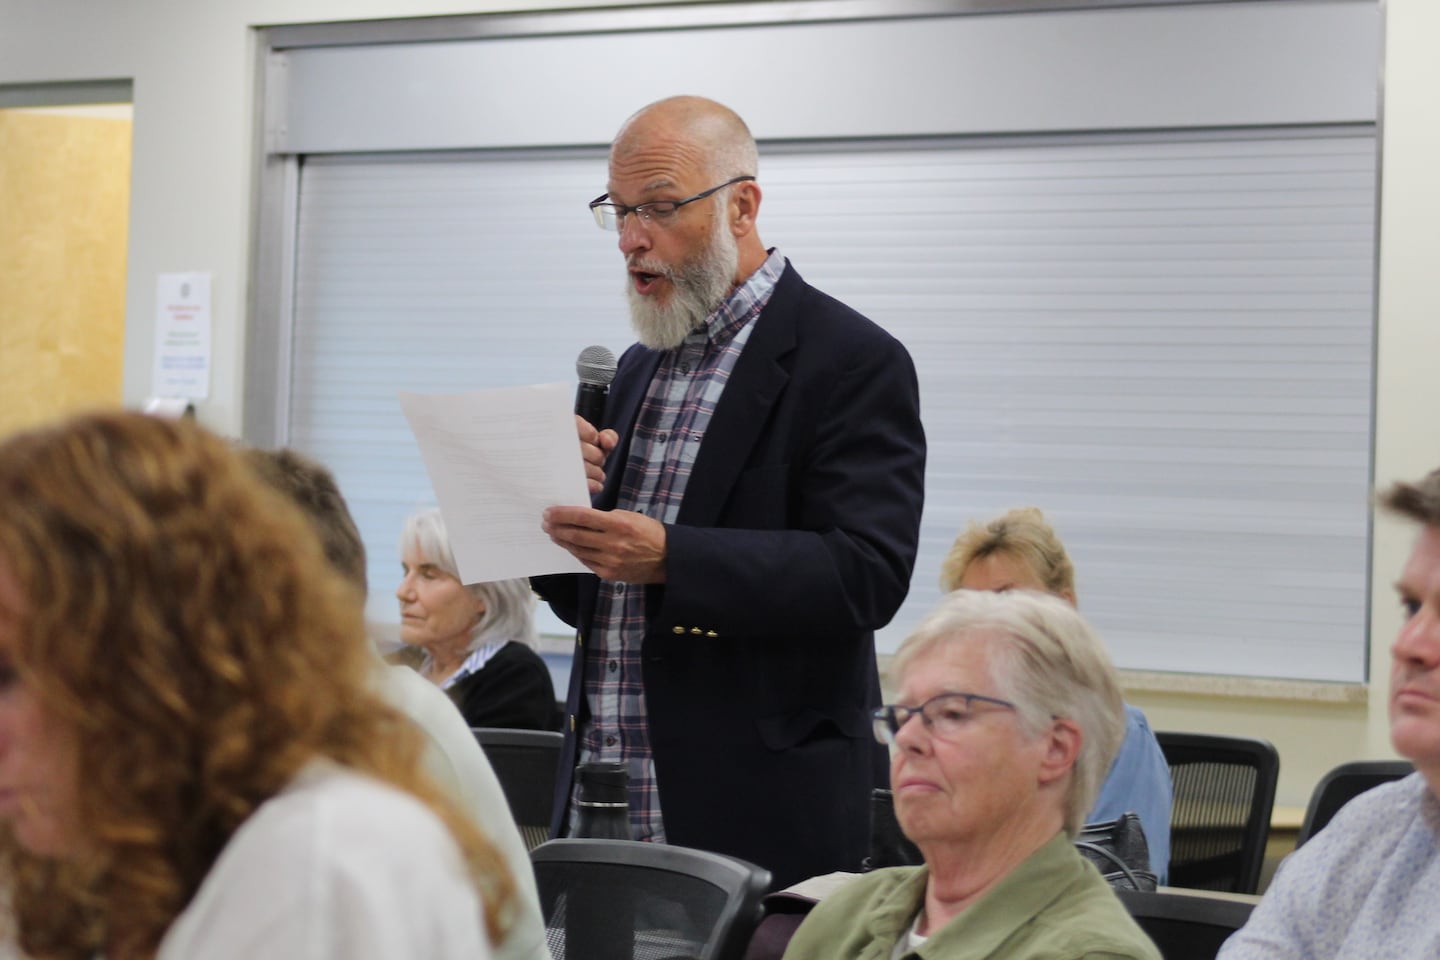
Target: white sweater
337,866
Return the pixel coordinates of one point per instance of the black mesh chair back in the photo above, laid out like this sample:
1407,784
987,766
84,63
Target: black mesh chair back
525,763
1343,784
1183,926
1224,793
889,847
625,900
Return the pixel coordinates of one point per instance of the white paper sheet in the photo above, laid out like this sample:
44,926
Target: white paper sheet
497,459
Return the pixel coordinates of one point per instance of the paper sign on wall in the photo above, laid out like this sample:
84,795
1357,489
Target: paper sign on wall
182,336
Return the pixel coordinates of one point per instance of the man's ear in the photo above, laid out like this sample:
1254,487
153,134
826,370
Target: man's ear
1062,748
744,207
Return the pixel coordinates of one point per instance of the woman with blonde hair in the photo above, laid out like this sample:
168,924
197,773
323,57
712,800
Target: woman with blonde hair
1019,550
192,760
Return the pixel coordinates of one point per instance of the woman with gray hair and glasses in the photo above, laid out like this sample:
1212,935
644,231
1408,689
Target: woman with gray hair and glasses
1009,714
478,638
1020,550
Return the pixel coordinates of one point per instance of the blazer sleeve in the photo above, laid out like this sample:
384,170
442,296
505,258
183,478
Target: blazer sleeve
562,592
826,545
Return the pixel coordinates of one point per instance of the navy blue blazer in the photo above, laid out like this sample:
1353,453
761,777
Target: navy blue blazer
794,542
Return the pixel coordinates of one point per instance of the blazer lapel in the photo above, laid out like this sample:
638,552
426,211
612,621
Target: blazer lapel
755,384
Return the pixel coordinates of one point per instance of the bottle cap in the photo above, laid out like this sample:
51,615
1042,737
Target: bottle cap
603,782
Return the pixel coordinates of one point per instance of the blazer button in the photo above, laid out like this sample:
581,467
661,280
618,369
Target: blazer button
679,629
711,633
696,630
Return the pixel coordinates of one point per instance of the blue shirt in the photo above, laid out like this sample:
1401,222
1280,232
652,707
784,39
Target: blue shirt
1139,783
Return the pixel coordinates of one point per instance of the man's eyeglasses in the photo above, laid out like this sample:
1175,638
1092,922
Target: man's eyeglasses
611,216
944,715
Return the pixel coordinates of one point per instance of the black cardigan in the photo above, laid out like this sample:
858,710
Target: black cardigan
513,690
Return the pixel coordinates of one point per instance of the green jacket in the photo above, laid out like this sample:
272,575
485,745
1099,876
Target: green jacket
1053,906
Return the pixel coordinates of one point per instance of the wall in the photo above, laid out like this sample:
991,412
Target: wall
64,182
1313,737
1407,436
193,71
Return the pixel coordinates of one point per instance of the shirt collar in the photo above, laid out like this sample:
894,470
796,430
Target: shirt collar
478,658
738,308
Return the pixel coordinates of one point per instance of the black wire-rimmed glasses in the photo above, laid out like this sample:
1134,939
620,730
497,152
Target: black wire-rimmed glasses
944,715
611,216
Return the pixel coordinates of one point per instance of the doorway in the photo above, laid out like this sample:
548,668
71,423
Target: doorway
65,193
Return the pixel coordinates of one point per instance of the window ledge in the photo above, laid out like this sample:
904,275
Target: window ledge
1215,685
1250,688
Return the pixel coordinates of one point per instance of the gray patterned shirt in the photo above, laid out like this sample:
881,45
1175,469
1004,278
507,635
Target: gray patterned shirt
1366,886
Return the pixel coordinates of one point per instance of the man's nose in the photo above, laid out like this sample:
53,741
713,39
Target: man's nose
634,236
1418,642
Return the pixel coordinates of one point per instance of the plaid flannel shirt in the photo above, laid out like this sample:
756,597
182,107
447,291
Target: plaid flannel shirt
668,430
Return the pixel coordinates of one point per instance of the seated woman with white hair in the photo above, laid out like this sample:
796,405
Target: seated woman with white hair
478,638
1009,714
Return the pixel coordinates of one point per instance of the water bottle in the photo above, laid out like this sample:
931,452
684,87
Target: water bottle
603,801
599,915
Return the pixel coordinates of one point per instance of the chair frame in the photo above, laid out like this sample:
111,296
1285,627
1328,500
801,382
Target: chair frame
745,883
1317,815
1225,912
1260,755
540,740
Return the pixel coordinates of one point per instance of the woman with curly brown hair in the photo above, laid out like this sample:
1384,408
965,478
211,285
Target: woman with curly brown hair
192,762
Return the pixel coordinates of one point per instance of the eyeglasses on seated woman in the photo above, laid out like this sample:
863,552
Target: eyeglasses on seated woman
1008,713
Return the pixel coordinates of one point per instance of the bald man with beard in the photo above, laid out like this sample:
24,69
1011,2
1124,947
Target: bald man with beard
757,486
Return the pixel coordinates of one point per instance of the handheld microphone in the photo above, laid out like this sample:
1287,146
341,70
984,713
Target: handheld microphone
596,368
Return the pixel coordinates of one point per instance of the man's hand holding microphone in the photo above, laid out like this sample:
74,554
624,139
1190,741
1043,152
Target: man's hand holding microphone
617,545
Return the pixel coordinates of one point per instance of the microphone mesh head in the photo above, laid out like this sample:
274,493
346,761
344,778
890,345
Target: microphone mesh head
595,365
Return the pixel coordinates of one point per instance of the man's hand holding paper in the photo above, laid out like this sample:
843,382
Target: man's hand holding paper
618,545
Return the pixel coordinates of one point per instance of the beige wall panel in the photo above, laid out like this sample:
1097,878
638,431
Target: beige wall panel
64,190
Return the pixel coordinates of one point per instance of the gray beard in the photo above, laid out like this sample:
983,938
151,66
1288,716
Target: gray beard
696,289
